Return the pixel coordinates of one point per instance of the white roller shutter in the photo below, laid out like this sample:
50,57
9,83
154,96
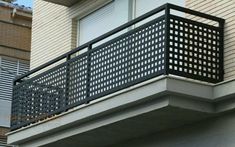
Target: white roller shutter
9,68
143,6
7,74
102,20
23,68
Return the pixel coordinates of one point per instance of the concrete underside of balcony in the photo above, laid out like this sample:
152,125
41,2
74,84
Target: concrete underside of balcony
155,105
66,3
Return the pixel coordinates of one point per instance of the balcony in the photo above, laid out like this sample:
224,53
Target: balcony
165,45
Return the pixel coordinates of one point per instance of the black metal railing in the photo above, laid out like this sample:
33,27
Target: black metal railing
168,44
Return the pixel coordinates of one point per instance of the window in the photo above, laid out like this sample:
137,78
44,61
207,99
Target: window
102,20
114,14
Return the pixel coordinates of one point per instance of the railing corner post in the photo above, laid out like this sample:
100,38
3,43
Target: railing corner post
221,51
167,34
14,82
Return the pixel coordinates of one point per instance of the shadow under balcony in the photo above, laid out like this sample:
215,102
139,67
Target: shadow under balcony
158,74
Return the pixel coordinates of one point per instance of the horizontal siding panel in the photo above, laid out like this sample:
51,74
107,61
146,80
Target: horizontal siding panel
224,9
52,29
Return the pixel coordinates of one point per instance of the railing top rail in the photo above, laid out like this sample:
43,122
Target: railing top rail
196,13
118,29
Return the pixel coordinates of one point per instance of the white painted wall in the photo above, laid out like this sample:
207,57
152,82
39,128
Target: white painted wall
5,113
216,132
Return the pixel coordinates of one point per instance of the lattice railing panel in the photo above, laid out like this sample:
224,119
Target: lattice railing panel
128,59
39,97
194,50
77,80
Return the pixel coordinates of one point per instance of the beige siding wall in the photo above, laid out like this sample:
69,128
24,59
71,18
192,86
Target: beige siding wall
224,9
54,28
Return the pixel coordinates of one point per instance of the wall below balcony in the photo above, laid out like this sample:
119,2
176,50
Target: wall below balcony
225,10
216,132
54,31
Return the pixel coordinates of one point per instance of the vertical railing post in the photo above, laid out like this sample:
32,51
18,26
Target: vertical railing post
67,81
167,34
14,116
221,51
14,82
88,73
18,116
